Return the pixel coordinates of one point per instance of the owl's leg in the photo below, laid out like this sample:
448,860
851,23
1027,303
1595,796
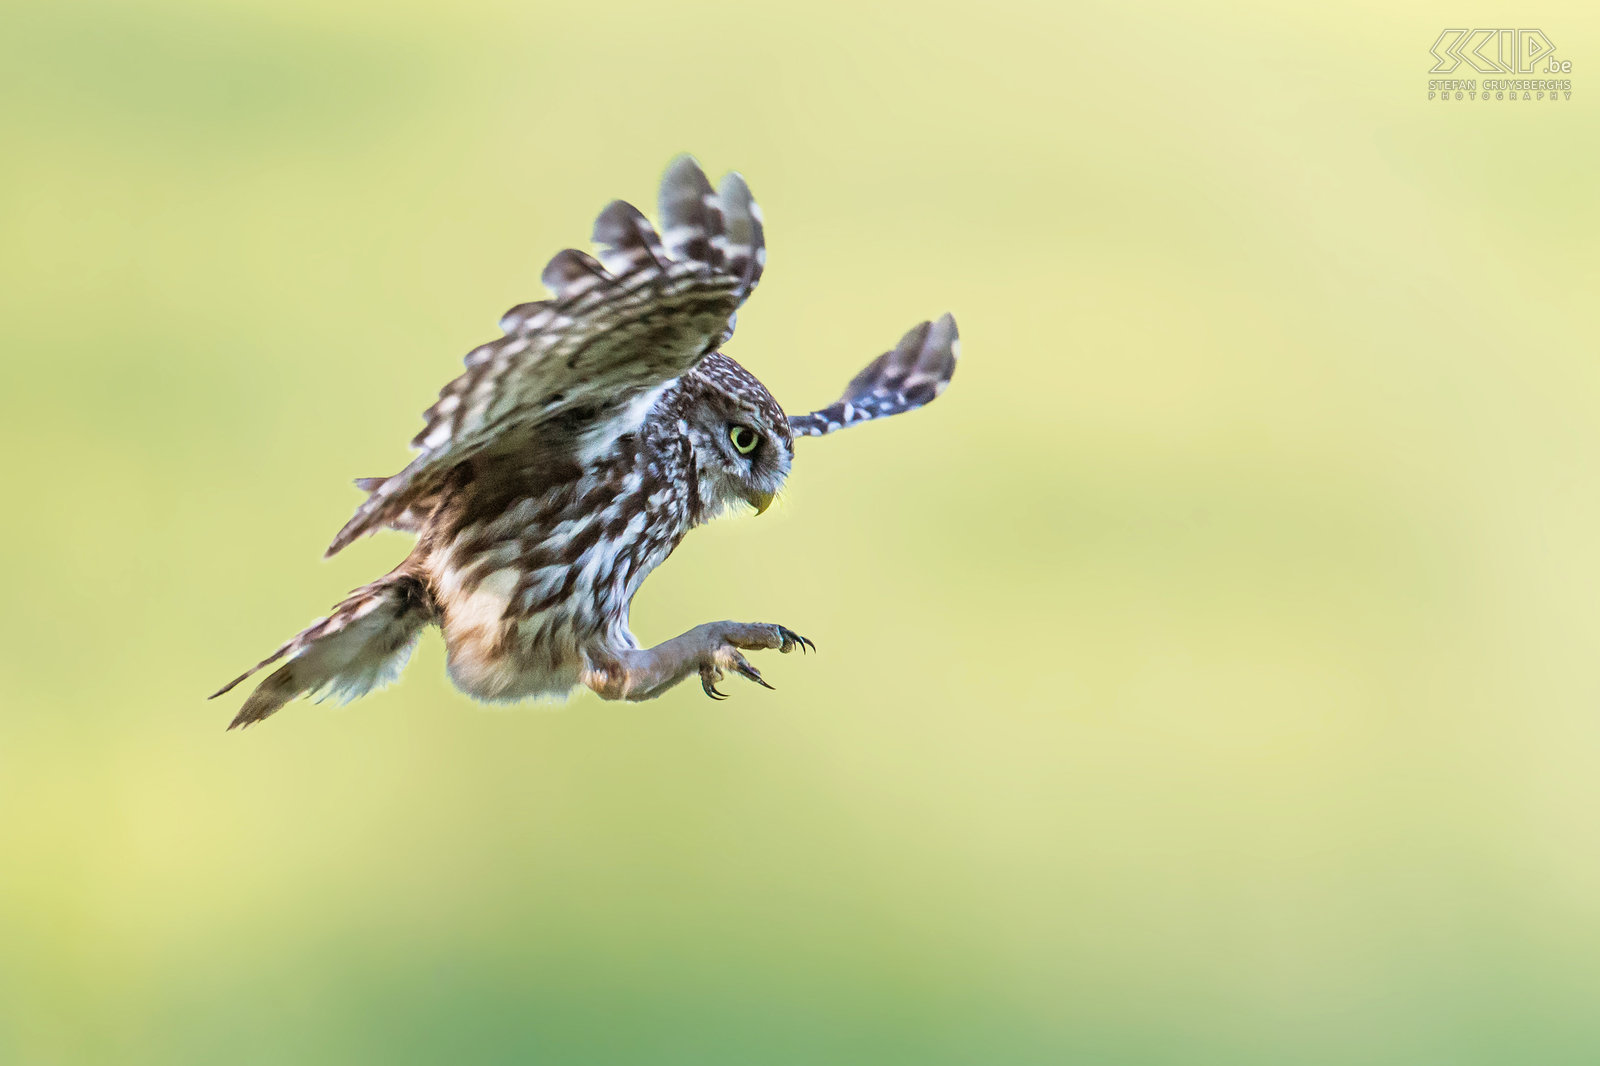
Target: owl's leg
709,650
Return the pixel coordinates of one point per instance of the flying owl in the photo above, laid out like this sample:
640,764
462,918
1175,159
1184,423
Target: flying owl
570,459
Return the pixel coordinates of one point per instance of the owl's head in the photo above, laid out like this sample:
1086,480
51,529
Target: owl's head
738,434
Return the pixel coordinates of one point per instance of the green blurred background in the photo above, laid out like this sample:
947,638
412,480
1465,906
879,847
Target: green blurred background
1208,678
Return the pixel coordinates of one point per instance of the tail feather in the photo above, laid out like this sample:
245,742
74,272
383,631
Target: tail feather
362,645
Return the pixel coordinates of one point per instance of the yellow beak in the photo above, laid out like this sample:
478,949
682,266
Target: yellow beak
760,501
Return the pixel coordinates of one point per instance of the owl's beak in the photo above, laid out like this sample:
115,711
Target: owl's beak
760,501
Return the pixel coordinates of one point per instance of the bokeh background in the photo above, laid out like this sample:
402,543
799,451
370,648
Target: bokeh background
1209,677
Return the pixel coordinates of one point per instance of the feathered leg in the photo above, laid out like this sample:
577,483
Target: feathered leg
709,650
364,643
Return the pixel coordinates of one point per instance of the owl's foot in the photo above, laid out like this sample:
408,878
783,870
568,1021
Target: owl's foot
757,636
712,650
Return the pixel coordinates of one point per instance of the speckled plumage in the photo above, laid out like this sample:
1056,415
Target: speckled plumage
572,456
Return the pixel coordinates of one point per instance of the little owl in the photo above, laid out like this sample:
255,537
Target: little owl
570,459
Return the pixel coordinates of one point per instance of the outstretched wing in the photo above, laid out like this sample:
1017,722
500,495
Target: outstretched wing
650,308
912,374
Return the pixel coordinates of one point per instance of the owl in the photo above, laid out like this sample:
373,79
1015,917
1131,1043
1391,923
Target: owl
571,457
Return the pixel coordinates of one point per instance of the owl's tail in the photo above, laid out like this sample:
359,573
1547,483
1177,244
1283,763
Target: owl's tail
363,644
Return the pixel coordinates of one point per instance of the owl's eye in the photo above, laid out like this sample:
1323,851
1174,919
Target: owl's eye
744,439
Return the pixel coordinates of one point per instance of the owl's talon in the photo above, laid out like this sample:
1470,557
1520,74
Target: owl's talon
713,650
788,640
709,675
744,669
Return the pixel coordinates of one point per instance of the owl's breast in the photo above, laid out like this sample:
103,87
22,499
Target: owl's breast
526,593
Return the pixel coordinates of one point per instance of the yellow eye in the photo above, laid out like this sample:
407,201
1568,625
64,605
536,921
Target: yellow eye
744,439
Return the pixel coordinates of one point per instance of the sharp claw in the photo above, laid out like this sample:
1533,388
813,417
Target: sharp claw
791,639
708,682
745,669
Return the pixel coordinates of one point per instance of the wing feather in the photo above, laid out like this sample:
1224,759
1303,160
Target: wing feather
909,375
647,310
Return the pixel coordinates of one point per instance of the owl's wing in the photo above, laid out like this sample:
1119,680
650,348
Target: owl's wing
913,373
650,308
